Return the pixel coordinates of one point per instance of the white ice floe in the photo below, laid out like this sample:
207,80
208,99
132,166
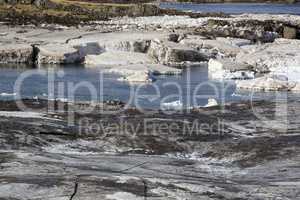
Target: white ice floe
142,73
174,105
178,105
4,94
211,103
21,114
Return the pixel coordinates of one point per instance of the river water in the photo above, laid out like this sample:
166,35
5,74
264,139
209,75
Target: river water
237,8
75,83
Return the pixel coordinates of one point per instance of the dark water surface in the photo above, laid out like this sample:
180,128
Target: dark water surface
237,8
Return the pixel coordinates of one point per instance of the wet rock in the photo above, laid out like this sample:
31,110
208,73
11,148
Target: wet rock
16,53
165,52
142,73
289,32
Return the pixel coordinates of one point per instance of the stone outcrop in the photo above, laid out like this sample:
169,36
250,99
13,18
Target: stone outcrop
227,47
228,69
138,45
142,73
16,53
289,32
58,54
166,52
282,53
267,83
112,58
254,30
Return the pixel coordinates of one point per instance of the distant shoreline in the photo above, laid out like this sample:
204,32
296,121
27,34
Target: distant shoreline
233,1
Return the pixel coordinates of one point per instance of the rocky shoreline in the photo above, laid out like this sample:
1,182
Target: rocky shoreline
259,47
42,157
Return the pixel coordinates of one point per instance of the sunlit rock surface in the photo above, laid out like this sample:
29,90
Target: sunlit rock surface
221,47
165,52
283,53
58,54
223,69
16,53
267,83
112,58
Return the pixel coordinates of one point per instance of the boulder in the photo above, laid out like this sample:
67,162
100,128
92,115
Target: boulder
289,32
166,52
16,53
58,54
173,37
227,69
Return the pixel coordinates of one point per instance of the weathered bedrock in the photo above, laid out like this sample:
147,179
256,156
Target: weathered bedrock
254,30
166,52
16,53
42,157
58,54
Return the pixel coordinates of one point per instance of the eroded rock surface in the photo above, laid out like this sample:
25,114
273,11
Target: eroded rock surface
42,157
16,53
